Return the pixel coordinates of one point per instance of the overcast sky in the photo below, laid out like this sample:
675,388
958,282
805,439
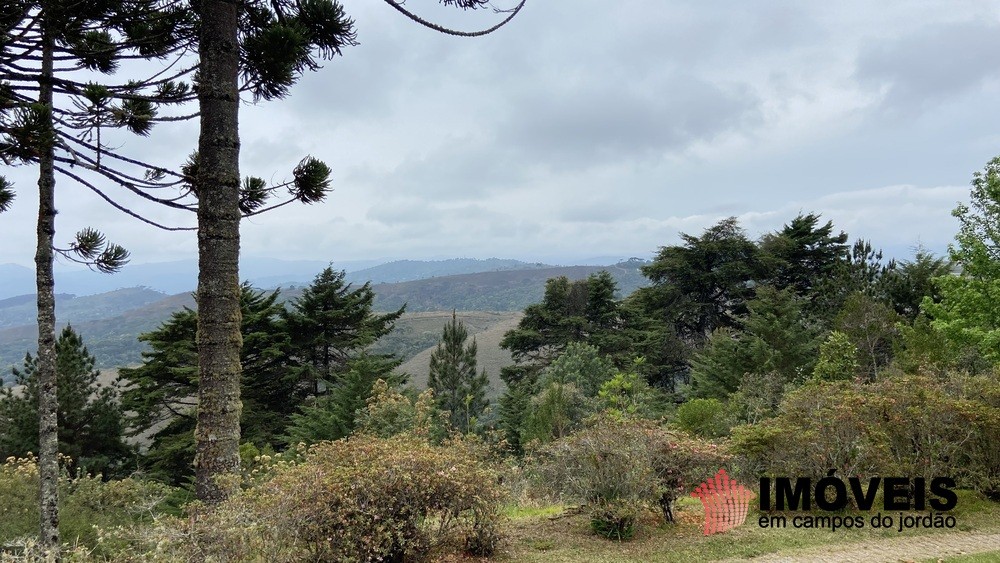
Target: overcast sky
593,128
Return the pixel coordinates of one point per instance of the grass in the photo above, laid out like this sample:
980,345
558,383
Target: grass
535,535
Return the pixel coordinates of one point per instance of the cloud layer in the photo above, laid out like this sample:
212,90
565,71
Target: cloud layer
605,129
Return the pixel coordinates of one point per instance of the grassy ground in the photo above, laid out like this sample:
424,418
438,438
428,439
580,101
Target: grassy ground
544,536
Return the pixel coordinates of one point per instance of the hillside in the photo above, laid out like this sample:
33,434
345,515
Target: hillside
487,328
111,322
20,310
113,340
494,291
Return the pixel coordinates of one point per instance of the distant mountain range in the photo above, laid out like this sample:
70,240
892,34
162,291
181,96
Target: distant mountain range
110,322
182,276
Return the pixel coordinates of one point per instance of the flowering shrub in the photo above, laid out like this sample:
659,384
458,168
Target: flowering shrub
86,503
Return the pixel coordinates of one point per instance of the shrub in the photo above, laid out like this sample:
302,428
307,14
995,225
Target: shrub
838,358
614,520
86,504
912,426
703,417
360,499
620,466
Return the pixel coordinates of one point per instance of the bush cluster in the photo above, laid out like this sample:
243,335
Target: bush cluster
620,466
359,499
87,503
909,425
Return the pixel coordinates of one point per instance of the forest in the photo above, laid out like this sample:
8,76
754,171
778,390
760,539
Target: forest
799,353
261,429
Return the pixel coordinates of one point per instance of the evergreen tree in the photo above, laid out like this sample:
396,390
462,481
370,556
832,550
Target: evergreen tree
582,365
801,254
330,324
334,415
570,311
705,283
775,338
913,280
163,390
458,388
91,421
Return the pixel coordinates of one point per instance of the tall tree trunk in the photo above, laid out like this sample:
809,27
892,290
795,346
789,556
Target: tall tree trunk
48,403
219,338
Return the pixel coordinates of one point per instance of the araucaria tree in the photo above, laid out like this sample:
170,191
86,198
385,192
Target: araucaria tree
275,42
52,114
458,388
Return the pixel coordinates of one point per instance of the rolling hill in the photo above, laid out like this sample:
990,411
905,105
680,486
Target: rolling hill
487,328
111,322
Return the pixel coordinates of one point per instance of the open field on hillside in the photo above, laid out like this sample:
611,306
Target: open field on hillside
487,328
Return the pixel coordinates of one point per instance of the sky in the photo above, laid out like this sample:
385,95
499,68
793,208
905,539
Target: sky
591,128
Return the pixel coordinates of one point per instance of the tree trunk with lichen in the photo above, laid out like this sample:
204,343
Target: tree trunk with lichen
219,339
48,402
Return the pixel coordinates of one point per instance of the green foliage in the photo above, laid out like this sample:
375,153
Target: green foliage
627,395
924,349
706,418
362,499
6,194
458,388
577,311
911,425
969,309
614,520
776,338
582,365
86,504
553,413
838,359
334,415
163,389
873,329
718,369
305,371
91,422
705,283
913,280
390,413
330,323
801,254
512,410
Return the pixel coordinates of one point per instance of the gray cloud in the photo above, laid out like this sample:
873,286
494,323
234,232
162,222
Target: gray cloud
932,64
600,128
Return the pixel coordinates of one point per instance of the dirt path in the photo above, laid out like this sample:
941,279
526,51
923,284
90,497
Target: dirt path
893,550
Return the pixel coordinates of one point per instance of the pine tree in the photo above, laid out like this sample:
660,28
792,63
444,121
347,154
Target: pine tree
458,388
91,421
331,323
334,415
161,392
